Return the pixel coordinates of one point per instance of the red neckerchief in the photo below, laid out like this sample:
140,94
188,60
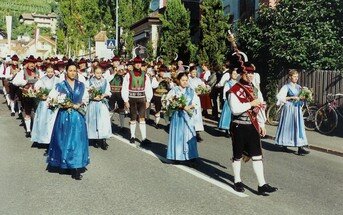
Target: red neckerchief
137,72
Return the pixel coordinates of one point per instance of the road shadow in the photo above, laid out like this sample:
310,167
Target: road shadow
202,165
213,131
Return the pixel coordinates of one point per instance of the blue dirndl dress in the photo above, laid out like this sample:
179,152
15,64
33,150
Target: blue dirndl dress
226,115
98,118
291,128
69,142
182,143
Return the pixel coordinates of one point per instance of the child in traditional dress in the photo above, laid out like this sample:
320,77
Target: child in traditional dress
98,116
44,117
225,117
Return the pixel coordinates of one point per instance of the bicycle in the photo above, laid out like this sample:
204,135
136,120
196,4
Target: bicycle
326,118
274,114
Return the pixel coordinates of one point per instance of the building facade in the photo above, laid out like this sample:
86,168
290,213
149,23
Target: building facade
42,21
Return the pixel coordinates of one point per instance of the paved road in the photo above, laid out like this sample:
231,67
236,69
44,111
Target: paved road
126,180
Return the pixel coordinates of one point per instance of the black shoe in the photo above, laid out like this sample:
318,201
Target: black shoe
285,149
95,144
28,134
199,139
104,145
146,142
302,151
76,174
132,140
266,189
239,187
12,114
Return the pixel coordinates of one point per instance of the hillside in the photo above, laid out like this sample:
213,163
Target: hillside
17,7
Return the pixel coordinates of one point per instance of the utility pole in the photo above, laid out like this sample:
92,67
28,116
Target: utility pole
117,25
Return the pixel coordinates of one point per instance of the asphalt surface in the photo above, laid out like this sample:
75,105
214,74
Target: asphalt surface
126,180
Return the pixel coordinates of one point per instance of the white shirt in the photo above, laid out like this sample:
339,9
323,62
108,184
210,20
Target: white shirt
46,82
195,82
226,77
237,108
19,79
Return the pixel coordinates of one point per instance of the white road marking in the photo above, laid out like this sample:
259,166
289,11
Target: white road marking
185,168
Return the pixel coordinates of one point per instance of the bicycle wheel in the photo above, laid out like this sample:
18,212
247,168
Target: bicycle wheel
326,119
309,114
274,114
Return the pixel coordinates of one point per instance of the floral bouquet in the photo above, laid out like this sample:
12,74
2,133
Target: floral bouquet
29,93
306,94
176,103
94,93
64,102
43,93
203,89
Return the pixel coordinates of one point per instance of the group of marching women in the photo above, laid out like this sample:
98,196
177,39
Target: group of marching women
72,102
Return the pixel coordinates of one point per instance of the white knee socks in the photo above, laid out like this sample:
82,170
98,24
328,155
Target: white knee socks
121,119
257,165
157,118
12,106
133,129
142,127
236,166
28,125
19,106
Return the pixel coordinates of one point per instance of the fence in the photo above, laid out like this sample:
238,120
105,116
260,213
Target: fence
321,82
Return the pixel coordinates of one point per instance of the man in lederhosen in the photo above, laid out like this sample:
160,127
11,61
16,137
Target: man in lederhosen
14,92
137,94
25,79
5,64
161,86
116,102
247,127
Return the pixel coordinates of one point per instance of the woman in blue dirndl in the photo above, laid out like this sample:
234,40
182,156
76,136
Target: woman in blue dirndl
225,117
98,117
291,128
182,142
44,117
69,142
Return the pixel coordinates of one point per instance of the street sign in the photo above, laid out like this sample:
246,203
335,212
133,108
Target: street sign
111,44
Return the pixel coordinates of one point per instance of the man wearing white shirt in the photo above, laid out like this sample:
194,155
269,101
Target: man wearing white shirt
137,94
247,127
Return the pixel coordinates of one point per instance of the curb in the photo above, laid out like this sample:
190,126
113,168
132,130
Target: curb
269,137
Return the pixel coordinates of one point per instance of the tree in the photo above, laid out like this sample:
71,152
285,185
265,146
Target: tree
294,34
297,34
214,25
175,31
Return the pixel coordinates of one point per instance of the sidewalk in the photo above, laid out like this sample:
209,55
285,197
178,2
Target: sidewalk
317,141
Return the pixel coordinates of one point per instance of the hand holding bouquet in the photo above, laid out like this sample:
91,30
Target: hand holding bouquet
95,94
306,94
175,103
42,93
203,89
29,93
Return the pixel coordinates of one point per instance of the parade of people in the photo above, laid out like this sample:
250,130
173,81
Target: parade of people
176,106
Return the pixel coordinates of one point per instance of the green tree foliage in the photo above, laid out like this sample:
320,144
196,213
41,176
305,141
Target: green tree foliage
175,32
214,25
294,34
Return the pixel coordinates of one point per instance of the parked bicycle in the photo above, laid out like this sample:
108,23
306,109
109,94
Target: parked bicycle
274,114
326,118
